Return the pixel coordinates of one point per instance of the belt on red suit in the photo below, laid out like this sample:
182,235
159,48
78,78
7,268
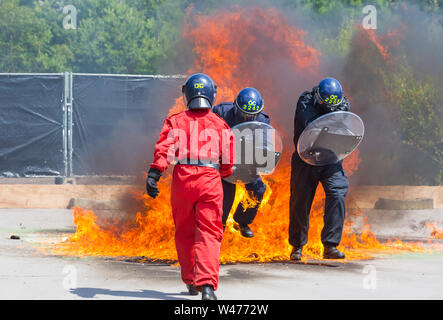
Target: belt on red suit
199,163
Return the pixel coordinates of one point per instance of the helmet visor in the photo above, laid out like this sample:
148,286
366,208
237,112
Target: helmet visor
245,116
199,103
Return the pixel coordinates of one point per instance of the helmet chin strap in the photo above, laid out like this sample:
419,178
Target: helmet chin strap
323,106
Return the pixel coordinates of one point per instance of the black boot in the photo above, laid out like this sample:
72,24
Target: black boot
246,231
296,254
208,293
191,289
332,253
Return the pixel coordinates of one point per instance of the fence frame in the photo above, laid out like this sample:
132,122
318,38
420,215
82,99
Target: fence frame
68,105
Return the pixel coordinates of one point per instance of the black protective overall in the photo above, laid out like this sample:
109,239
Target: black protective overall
257,188
305,179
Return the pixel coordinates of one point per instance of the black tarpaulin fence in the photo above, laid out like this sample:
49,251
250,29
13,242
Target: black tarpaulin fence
71,124
31,125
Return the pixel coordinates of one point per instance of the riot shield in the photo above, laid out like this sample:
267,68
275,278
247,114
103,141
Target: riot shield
330,138
258,150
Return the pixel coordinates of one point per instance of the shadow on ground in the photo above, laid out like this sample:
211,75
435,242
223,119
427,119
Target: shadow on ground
147,294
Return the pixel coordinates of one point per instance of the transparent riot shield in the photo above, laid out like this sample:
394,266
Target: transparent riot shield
330,138
258,150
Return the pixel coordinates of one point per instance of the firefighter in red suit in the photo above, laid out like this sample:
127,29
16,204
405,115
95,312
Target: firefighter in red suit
203,145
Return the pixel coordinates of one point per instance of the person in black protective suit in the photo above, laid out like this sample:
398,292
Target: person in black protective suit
326,97
248,106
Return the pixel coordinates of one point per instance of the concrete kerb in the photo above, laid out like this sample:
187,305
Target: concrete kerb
45,193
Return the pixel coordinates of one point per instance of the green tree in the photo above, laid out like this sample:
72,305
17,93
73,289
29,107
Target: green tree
25,41
127,36
116,39
419,113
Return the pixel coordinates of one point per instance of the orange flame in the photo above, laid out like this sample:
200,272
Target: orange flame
434,228
226,45
383,43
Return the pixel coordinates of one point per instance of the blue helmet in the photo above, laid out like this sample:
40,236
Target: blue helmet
329,92
199,92
249,102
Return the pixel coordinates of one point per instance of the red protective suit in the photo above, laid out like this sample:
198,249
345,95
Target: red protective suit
196,191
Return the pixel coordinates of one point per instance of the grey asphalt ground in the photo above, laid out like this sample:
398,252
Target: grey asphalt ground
27,274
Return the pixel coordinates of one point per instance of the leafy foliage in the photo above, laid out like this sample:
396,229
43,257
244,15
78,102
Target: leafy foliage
25,41
144,37
420,114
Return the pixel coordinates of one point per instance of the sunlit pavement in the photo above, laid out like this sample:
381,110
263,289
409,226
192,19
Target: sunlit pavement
27,273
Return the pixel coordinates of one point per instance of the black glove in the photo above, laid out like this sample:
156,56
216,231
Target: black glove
151,182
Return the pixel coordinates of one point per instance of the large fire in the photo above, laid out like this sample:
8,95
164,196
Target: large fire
237,48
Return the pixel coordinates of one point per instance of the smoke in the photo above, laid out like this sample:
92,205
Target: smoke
269,37
391,75
386,73
261,48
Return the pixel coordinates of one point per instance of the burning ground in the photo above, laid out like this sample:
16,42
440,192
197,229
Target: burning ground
262,48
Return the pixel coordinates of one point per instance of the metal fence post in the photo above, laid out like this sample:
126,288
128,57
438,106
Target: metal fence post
69,125
65,124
